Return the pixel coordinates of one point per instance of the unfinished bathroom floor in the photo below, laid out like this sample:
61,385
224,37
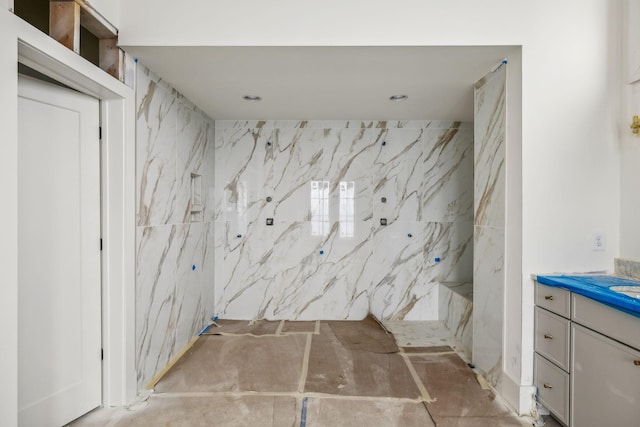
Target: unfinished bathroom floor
333,373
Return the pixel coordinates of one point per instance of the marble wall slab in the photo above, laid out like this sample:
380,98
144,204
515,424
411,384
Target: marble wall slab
175,256
327,185
489,224
456,310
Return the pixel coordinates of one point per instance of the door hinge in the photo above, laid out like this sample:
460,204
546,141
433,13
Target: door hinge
100,133
101,244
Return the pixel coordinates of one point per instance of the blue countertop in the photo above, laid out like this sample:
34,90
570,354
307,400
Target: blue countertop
597,287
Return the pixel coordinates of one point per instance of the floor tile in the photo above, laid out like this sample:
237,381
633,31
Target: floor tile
350,413
238,363
335,369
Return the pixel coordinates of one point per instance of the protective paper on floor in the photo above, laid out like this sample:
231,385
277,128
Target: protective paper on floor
455,389
367,335
335,368
428,350
243,327
299,327
238,363
192,411
349,413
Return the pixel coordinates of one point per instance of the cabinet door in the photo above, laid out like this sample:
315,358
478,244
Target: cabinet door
605,380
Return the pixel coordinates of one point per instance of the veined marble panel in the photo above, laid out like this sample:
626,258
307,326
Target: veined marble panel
489,167
155,299
397,268
348,157
326,186
456,310
191,310
155,151
448,251
296,161
399,172
191,154
488,301
447,124
244,124
242,155
175,269
447,188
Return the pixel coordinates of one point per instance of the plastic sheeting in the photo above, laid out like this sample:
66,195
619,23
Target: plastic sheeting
597,287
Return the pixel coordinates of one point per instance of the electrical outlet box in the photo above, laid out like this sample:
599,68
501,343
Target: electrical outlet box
598,241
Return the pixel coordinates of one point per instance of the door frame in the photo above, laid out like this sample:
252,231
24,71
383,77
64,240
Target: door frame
22,43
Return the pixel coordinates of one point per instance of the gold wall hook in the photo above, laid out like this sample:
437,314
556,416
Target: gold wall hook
635,125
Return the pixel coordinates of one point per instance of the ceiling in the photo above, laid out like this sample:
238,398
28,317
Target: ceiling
322,83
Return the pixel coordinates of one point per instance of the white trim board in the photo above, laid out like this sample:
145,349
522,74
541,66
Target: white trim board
20,42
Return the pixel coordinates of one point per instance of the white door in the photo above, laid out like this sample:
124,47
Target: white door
59,318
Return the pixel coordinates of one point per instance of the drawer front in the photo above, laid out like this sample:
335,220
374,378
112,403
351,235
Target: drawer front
606,320
553,388
552,337
554,299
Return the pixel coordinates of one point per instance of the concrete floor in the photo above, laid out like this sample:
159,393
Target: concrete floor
317,374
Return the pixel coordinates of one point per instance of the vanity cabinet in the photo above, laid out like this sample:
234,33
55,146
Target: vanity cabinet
552,347
605,381
587,360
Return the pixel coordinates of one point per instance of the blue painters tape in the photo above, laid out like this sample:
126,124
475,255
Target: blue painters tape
321,252
437,259
303,415
193,267
215,318
206,328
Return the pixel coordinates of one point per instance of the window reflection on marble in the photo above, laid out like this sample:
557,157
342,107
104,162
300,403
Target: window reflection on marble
319,208
242,198
347,208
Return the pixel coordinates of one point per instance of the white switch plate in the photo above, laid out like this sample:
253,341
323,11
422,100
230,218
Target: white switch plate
598,241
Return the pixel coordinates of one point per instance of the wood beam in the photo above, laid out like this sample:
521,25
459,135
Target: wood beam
112,57
64,23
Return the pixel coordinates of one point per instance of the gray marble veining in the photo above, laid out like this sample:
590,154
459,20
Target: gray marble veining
327,256
175,255
627,267
489,224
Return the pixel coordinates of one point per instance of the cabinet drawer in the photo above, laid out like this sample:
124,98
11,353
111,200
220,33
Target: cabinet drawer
606,320
552,337
553,388
554,299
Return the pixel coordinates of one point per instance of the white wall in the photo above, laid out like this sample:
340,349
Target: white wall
630,143
570,155
109,9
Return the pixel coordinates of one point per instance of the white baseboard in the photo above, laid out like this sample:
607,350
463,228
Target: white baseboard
520,397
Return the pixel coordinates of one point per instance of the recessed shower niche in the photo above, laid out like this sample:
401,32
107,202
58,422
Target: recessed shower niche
196,200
